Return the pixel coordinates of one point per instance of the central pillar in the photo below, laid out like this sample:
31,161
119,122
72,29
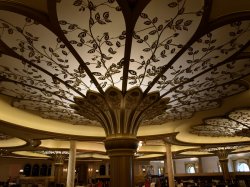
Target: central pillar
121,152
169,165
121,113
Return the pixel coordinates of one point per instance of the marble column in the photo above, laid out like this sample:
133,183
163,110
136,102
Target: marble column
169,165
71,165
121,152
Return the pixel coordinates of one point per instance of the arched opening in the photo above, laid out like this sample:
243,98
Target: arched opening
191,169
243,167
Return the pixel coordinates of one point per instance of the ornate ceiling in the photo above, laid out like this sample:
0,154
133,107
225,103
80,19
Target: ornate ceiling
236,123
125,65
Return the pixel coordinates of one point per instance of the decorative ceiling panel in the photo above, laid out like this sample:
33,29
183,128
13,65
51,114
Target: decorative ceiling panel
242,116
98,34
162,29
233,124
42,48
184,106
18,73
182,111
36,92
59,111
205,54
221,76
212,93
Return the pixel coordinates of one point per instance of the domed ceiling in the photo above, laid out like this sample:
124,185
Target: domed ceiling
119,66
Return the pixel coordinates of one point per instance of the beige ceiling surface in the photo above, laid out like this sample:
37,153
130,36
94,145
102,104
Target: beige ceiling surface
191,114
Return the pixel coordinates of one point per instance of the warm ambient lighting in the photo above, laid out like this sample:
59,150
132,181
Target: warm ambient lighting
137,154
139,145
193,159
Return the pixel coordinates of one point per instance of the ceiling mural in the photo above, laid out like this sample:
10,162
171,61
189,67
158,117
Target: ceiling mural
121,65
236,123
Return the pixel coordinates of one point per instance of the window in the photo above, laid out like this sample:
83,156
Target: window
191,169
242,167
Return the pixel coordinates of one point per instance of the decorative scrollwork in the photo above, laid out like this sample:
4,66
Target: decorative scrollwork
119,114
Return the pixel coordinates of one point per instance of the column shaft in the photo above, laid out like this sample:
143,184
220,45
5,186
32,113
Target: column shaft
58,167
58,174
224,168
121,152
200,169
71,165
170,168
121,171
223,154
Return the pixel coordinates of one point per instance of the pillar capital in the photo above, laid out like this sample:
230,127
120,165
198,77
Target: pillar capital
223,154
168,145
58,164
118,112
121,146
59,158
